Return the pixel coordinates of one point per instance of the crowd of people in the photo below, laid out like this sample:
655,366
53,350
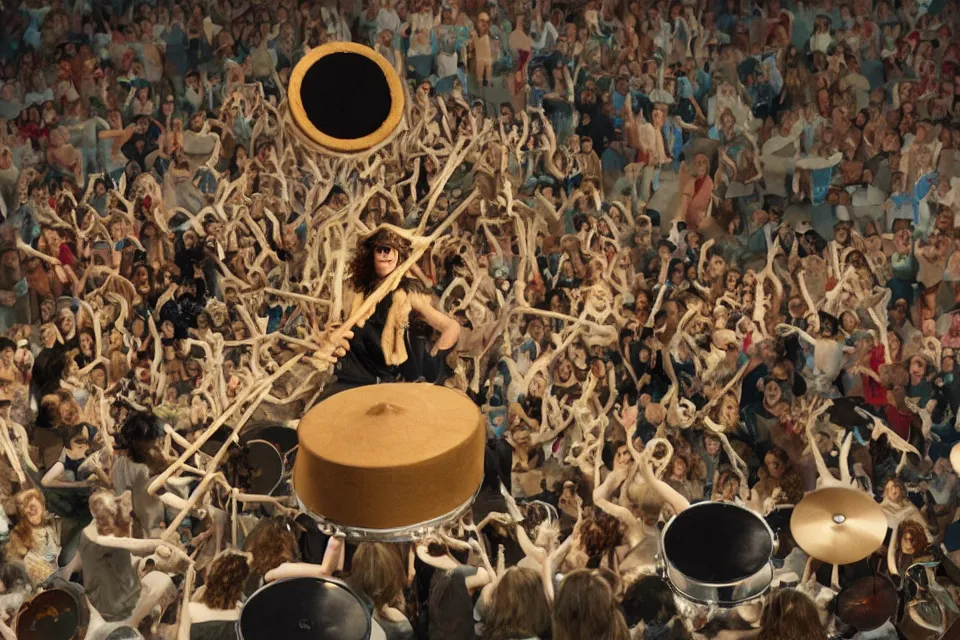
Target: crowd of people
695,251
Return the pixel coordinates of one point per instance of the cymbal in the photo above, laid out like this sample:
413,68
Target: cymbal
838,525
955,457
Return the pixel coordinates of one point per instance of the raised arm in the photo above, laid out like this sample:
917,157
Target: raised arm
601,497
668,493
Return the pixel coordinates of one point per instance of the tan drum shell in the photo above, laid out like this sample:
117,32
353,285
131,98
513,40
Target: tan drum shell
389,456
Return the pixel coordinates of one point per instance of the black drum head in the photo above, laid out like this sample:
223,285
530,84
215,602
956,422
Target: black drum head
50,615
336,110
717,543
304,609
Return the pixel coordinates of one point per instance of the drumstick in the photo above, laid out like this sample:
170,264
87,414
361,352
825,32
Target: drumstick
183,629
201,489
10,451
220,421
234,519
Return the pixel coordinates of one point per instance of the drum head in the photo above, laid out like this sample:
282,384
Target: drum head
304,609
717,543
50,615
256,469
867,603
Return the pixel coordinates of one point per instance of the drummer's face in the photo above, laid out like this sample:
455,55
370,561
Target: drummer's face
384,260
34,513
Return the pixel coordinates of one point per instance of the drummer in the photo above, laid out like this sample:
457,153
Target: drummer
393,342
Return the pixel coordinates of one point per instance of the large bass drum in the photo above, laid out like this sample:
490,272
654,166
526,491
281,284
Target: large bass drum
717,554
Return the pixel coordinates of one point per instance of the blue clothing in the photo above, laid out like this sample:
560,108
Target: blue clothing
917,194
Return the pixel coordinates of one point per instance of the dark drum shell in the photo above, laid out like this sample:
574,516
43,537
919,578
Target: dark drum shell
717,554
267,465
304,609
50,615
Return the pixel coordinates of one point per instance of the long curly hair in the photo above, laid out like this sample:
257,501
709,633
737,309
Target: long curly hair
362,275
920,539
272,543
600,533
225,580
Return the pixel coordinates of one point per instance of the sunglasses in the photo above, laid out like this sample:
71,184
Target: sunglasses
383,249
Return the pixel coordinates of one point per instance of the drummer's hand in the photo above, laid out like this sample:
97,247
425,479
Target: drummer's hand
330,349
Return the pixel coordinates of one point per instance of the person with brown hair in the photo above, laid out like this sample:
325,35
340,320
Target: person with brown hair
35,540
516,607
215,607
378,573
790,615
908,541
391,342
271,543
586,607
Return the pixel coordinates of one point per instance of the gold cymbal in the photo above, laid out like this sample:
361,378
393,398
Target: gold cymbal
955,457
838,525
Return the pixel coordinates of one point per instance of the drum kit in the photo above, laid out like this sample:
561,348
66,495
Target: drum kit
730,567
388,463
734,565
